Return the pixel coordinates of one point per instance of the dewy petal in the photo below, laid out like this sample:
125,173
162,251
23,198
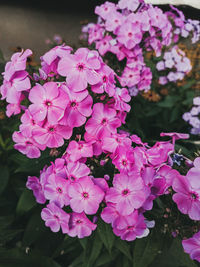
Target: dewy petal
92,77
37,94
77,81
38,112
66,64
194,211
183,203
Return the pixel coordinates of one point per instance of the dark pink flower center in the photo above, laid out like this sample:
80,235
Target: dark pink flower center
28,143
85,195
104,79
72,178
59,190
130,34
124,162
104,121
73,104
125,192
51,129
194,196
130,228
48,103
130,75
56,217
104,43
78,221
33,122
80,146
80,66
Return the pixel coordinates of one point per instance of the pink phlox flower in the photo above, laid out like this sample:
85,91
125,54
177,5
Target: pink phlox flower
80,149
135,227
167,173
56,190
80,225
129,34
110,215
80,69
107,83
103,121
176,136
79,107
130,77
95,33
28,123
187,196
27,145
101,183
123,159
131,5
59,168
103,45
117,49
49,101
158,154
122,96
96,143
192,246
51,135
85,196
137,140
145,79
105,9
114,21
33,183
127,193
49,60
111,143
55,218
76,170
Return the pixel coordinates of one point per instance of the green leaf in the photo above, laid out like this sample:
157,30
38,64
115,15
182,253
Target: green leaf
105,258
96,250
123,247
26,202
145,250
4,178
188,85
168,102
106,235
83,242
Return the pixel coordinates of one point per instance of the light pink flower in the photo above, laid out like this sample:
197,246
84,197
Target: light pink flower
49,101
80,225
34,184
55,218
85,196
127,193
76,170
192,246
78,150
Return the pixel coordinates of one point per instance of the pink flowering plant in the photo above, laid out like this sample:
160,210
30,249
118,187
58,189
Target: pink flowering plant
93,177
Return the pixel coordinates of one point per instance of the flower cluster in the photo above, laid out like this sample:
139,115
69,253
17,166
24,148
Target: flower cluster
123,30
192,117
175,61
16,82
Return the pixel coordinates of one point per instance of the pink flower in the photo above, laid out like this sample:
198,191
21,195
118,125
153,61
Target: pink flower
55,218
51,135
80,69
34,184
56,190
187,196
135,227
27,145
130,77
76,170
103,45
105,9
122,96
127,193
48,101
103,121
112,142
78,150
79,107
131,5
192,246
80,225
114,21
175,136
85,196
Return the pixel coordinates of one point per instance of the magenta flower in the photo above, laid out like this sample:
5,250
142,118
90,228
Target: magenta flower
135,227
103,121
122,96
175,136
127,193
48,101
105,9
192,246
34,184
79,107
78,150
55,218
113,142
28,123
80,69
27,145
85,196
80,225
76,170
187,196
56,190
130,76
51,135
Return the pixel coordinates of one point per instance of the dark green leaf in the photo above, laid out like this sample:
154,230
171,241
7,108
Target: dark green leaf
26,202
106,234
123,247
4,177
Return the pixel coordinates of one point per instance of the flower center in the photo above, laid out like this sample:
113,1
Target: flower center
194,196
51,129
78,221
28,143
80,66
59,190
73,104
85,194
104,79
130,34
104,121
125,192
48,103
124,162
